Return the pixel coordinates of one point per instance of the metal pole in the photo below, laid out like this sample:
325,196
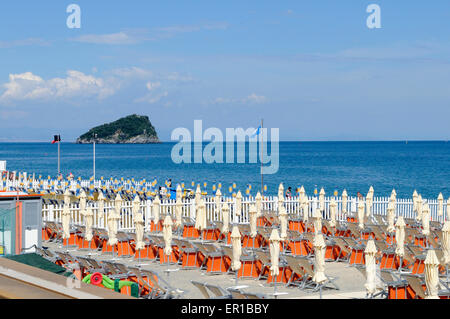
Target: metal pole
262,146
94,160
59,171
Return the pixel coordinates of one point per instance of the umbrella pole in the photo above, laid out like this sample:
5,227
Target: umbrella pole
236,279
320,291
274,286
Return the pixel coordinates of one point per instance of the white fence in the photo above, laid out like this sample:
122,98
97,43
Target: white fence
404,208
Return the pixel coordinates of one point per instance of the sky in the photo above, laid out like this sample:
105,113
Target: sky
313,69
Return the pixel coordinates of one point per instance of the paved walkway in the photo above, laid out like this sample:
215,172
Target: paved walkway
350,280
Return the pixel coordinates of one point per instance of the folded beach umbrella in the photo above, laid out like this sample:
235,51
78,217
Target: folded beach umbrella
448,209
65,215
425,219
369,201
280,194
218,201
440,204
138,222
419,208
361,208
238,207
274,252
371,267
155,209
317,218
301,194
283,222
198,195
237,250
225,218
167,235
178,212
319,259
400,236
305,209
333,206
446,242
258,202
322,199
344,201
101,205
432,275
200,219
393,195
179,192
252,218
415,197
113,218
88,221
390,216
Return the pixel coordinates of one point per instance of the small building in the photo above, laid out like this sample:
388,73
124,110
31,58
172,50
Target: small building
20,222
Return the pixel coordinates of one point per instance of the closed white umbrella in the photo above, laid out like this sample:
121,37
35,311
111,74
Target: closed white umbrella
252,216
167,235
155,210
333,207
393,196
138,221
218,201
446,242
258,202
280,194
65,215
415,197
305,208
101,205
238,207
361,208
274,253
319,259
198,195
301,194
419,208
283,222
369,202
371,267
317,221
344,201
322,199
236,245
425,219
200,219
179,192
178,212
432,275
225,218
448,209
400,237
390,217
440,204
88,221
113,219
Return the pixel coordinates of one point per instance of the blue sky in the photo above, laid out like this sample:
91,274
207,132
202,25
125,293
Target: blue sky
311,68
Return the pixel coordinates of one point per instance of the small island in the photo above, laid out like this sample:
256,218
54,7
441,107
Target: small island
132,129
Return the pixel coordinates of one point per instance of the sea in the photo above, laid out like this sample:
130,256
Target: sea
355,166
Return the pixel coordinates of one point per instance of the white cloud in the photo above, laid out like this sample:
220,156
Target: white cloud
24,42
153,85
122,37
134,36
28,86
251,99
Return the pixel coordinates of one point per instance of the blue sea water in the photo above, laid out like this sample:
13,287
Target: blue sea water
355,166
